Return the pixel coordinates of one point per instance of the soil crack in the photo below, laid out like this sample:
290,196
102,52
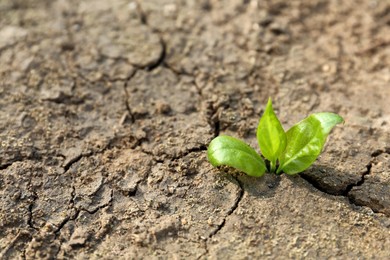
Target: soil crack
6,165
359,183
161,59
346,192
73,161
200,148
223,223
30,212
101,206
144,20
231,210
127,96
142,16
73,212
65,221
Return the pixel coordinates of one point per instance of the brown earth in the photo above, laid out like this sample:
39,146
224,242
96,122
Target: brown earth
107,108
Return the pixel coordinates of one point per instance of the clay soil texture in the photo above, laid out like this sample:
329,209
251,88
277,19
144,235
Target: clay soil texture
107,108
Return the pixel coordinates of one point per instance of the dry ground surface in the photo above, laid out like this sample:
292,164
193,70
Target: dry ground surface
107,108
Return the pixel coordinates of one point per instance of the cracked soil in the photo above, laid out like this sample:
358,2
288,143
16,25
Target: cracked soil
107,108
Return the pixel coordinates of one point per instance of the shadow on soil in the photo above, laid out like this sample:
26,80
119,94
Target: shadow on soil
355,187
361,189
264,186
331,180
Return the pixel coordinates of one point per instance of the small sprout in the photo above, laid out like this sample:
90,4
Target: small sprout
290,152
271,137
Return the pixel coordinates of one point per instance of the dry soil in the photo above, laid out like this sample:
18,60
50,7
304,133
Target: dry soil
107,108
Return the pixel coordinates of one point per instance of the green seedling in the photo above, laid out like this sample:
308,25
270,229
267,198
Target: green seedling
290,152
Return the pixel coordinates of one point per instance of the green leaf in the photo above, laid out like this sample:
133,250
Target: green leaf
226,150
305,141
271,136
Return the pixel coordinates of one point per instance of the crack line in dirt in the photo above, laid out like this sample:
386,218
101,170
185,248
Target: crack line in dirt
142,15
214,122
30,213
127,95
161,59
359,183
149,67
65,221
6,165
217,128
231,210
73,192
144,20
35,156
158,62
200,148
73,161
212,119
101,206
345,193
211,113
77,213
179,73
374,155
74,215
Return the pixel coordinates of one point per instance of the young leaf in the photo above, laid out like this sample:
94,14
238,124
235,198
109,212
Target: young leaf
305,141
271,136
226,150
